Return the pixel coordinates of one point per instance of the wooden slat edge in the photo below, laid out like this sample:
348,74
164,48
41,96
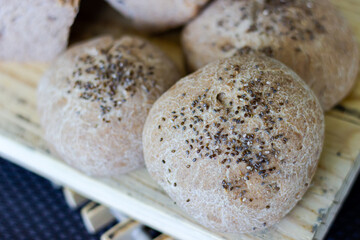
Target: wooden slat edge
123,230
340,197
96,217
73,199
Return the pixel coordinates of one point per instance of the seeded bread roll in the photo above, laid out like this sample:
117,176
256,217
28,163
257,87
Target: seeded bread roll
158,15
236,143
94,99
308,36
35,30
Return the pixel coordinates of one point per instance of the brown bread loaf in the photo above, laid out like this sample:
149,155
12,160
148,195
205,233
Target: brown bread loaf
236,143
94,99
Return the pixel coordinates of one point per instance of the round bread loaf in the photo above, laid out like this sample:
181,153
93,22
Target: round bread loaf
236,143
93,102
308,36
158,15
35,30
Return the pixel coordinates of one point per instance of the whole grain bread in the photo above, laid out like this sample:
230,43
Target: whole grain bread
308,36
158,15
236,143
94,99
35,30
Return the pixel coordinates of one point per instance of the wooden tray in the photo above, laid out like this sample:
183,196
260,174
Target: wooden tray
136,194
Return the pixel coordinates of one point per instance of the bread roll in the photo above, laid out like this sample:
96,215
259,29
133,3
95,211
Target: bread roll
94,99
158,15
35,30
236,143
308,36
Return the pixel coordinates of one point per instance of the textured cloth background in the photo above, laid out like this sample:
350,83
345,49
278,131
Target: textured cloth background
32,209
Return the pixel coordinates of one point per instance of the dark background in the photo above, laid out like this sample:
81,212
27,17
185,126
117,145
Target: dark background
32,209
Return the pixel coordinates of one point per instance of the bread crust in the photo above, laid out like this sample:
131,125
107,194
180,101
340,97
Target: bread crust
94,99
158,15
36,30
236,143
308,36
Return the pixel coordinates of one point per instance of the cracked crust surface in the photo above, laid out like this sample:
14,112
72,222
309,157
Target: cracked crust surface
236,143
308,36
94,99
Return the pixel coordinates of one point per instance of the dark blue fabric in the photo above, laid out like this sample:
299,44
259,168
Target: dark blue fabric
30,208
347,223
